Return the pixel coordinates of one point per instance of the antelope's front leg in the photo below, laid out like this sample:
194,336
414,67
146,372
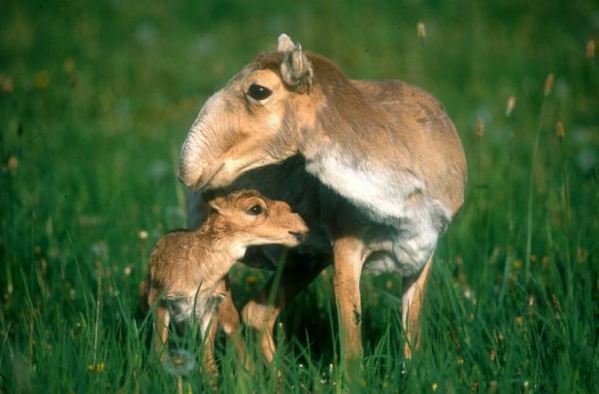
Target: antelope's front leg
348,261
411,306
261,316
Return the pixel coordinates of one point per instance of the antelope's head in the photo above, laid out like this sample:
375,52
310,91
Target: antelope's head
255,120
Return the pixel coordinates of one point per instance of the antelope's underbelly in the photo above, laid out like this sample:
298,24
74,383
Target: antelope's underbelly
409,242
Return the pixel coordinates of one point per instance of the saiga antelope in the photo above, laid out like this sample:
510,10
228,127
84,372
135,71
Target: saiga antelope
186,271
376,168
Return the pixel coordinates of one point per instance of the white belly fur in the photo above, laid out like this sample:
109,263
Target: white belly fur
414,224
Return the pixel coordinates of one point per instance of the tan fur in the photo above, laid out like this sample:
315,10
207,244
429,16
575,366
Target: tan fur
261,316
388,165
187,268
413,298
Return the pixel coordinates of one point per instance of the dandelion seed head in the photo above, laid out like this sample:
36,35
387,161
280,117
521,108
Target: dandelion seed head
100,250
532,300
468,293
143,235
179,362
159,169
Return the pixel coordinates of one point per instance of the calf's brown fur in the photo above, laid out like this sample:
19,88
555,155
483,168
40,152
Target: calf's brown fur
187,269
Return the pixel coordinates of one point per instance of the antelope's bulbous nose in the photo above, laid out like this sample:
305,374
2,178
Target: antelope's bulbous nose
192,181
190,170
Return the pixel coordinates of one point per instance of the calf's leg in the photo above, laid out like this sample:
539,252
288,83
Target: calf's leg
228,319
161,330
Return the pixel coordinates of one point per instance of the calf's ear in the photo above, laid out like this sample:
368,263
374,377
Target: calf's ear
217,203
296,70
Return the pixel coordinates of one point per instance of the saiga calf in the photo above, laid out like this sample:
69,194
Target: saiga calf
187,268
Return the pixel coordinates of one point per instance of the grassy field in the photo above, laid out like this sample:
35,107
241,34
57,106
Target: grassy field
96,98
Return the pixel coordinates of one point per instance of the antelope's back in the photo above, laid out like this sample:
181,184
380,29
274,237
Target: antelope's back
421,123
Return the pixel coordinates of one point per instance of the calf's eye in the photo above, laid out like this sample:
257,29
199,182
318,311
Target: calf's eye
255,210
258,92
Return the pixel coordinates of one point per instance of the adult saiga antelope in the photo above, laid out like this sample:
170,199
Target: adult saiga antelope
376,169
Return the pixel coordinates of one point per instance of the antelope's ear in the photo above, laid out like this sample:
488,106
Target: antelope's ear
285,44
296,70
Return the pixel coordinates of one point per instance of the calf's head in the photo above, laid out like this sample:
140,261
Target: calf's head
253,219
255,120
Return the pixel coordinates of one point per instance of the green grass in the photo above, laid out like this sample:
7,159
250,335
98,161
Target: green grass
96,98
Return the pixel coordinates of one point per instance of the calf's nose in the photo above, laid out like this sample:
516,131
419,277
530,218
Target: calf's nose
300,236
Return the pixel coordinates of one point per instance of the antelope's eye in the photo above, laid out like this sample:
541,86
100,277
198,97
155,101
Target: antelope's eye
255,210
259,92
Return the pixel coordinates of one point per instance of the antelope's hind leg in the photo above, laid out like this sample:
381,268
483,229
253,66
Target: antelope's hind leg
414,289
